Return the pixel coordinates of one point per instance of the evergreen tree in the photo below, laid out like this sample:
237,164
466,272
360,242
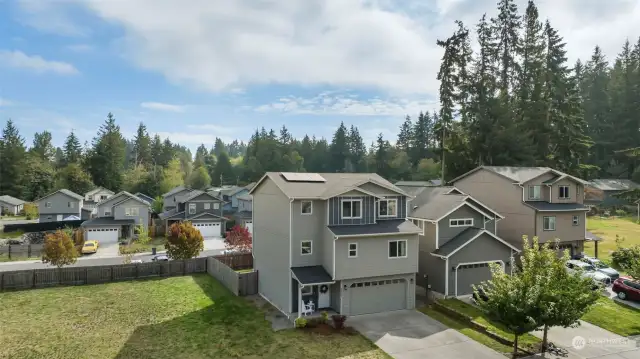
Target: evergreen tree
383,157
106,161
201,155
200,179
339,150
596,109
357,151
223,173
74,178
156,150
43,147
172,176
405,135
142,146
39,176
12,153
218,147
72,149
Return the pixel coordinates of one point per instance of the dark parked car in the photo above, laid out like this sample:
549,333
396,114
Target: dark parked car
626,289
160,257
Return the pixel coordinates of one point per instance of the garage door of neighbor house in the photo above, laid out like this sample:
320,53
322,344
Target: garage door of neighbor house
469,274
249,225
562,247
208,229
378,296
103,235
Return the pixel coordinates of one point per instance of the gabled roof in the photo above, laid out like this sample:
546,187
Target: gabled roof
613,184
195,193
429,183
98,189
125,194
175,190
435,203
387,227
464,238
244,197
63,191
334,184
250,185
11,200
520,175
144,197
202,214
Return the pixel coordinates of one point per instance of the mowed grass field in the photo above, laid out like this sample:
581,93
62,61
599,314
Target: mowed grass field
607,229
179,317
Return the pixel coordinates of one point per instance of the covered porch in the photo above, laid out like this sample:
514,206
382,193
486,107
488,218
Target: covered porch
312,291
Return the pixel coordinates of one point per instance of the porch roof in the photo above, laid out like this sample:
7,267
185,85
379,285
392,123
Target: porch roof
311,275
106,221
383,227
542,206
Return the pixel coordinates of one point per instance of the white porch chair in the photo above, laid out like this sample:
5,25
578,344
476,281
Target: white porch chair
307,309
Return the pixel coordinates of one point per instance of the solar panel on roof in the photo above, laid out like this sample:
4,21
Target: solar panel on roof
302,177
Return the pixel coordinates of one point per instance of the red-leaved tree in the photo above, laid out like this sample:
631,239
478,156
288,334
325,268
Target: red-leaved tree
238,239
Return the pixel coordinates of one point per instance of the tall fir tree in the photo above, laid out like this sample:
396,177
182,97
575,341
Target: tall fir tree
142,146
12,155
339,150
107,157
72,149
43,146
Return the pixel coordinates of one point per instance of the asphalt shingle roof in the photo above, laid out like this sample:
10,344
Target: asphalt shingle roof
457,241
11,200
244,197
311,275
105,221
433,203
393,226
243,214
174,191
613,184
550,207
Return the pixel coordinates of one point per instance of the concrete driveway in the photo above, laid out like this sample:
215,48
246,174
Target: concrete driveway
589,341
614,296
409,334
213,243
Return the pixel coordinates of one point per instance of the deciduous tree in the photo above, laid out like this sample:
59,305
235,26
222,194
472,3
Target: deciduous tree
184,241
238,239
59,249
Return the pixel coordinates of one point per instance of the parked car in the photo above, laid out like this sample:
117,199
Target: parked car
136,261
90,247
602,267
160,257
626,288
588,270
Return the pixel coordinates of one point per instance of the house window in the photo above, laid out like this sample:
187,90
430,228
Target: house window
576,220
107,212
207,206
306,207
90,198
305,247
192,208
70,204
549,223
353,250
351,208
103,197
49,218
535,192
216,205
306,290
461,222
47,205
131,212
388,208
398,249
563,192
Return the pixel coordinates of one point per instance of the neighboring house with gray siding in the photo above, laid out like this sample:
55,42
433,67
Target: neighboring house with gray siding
244,214
202,209
603,192
170,199
93,197
535,201
117,217
337,240
458,241
61,204
10,205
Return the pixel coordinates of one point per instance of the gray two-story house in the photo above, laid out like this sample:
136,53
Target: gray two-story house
202,209
458,241
117,217
62,205
170,199
337,240
535,201
96,195
244,214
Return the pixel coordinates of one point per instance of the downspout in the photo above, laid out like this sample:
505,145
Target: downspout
290,249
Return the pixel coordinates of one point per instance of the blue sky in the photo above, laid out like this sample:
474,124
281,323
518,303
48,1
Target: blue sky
222,68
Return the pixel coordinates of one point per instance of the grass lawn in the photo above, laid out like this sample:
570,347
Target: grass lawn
5,258
607,229
14,234
13,218
135,247
615,317
180,317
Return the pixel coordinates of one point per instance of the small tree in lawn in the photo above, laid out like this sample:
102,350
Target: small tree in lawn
143,234
184,241
59,249
158,204
238,239
31,210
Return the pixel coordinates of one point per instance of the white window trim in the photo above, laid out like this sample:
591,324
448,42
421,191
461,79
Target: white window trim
406,248
568,190
106,212
388,200
539,193
70,204
302,206
310,248
47,205
554,223
460,225
349,250
577,220
195,209
216,205
342,216
207,206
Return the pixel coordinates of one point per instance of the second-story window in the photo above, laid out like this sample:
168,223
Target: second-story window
216,205
47,205
461,222
549,223
192,208
131,212
306,247
70,204
207,206
353,250
107,212
388,208
351,208
563,192
535,192
306,207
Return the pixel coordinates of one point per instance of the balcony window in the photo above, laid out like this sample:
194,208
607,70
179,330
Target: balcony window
351,208
535,193
563,192
398,249
388,208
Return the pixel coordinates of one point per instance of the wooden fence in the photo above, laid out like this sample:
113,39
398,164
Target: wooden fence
239,283
40,278
21,251
237,261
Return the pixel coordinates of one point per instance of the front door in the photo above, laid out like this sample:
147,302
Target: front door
324,296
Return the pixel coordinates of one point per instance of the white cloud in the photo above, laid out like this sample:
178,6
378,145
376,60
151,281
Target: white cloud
50,17
19,59
159,106
5,103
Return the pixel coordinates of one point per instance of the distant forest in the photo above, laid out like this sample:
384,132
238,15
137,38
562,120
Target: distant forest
515,101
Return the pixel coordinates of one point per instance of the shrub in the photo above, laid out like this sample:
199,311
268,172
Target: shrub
30,210
59,249
620,212
325,317
338,320
622,257
301,322
314,322
184,241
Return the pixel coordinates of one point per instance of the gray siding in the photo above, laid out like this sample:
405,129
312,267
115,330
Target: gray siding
270,243
327,251
381,191
244,205
200,202
170,201
483,248
402,208
373,257
234,198
308,228
60,205
143,212
336,296
368,210
108,205
446,233
96,196
431,269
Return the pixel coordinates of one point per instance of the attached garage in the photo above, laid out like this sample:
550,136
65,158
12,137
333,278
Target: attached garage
471,274
377,296
102,234
209,229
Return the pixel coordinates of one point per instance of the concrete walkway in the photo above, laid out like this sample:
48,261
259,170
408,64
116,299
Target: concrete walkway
409,334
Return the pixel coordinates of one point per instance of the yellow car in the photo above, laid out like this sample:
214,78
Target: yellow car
90,247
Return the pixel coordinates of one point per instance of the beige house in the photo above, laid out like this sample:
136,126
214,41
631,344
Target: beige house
535,201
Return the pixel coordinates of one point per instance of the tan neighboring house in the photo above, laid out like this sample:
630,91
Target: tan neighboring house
536,201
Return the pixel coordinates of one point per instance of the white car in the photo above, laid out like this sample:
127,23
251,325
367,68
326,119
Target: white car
588,270
602,267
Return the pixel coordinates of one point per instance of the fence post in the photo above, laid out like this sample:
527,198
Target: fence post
9,252
29,251
86,275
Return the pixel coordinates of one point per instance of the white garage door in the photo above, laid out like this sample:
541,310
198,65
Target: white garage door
378,296
103,235
249,225
208,229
